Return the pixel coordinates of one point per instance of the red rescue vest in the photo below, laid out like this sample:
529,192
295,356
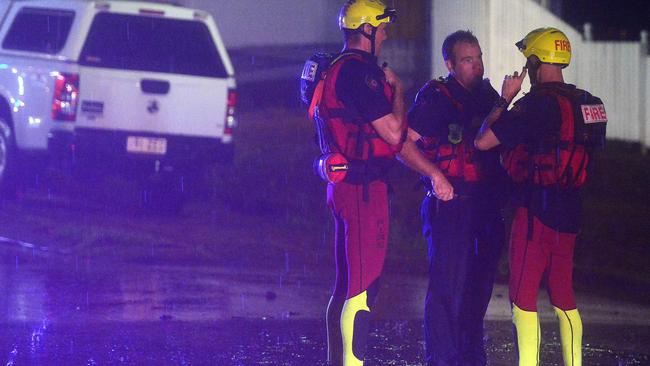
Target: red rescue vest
339,127
454,158
561,160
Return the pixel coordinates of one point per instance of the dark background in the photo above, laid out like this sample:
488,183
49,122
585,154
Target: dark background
611,20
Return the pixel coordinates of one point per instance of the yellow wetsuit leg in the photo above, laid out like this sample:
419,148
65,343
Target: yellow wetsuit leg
570,336
354,327
528,336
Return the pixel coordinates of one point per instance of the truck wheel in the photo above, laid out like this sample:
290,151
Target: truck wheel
8,183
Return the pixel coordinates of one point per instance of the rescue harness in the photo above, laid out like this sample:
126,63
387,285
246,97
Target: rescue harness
562,160
454,155
351,151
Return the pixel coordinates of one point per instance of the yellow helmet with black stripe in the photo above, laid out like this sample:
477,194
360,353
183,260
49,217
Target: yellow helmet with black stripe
550,45
358,12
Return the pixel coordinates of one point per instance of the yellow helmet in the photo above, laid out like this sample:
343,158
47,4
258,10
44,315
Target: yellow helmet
550,45
357,12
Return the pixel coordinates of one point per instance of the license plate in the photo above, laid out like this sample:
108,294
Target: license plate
146,145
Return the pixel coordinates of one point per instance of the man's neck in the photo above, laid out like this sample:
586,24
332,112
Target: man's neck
550,74
466,87
359,46
362,51
469,88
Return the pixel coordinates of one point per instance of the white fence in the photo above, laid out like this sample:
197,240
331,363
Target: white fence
614,71
617,72
645,106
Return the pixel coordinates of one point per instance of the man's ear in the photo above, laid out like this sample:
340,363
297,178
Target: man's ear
367,28
450,65
533,62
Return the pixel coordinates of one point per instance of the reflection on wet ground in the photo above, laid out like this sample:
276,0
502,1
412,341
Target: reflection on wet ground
67,309
273,342
111,284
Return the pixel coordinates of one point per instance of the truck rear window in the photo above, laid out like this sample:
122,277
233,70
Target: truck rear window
39,30
131,42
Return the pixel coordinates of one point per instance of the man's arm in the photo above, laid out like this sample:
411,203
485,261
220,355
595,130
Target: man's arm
391,126
485,138
411,156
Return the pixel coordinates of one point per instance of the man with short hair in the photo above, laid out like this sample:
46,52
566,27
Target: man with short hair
360,118
462,224
361,122
550,133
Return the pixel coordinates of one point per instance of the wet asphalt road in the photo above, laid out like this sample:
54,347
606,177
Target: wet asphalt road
260,342
68,309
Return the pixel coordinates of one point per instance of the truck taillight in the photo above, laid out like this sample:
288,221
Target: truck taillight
66,96
231,121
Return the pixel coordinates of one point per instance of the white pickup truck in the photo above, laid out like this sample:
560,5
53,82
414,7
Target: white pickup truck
113,80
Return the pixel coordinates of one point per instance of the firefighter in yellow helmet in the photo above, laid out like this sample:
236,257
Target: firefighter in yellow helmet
548,46
549,135
360,116
373,134
358,109
355,14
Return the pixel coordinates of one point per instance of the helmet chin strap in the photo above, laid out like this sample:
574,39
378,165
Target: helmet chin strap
371,37
533,64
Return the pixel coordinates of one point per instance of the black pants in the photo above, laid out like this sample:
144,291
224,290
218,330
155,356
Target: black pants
465,238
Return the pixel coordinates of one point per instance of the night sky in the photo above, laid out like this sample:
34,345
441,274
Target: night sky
611,20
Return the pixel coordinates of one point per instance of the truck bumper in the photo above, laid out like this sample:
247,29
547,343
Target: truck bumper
106,146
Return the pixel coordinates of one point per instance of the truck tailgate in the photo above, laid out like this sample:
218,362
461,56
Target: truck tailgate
158,103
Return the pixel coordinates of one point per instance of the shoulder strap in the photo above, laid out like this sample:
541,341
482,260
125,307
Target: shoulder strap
318,91
574,95
440,86
566,100
315,100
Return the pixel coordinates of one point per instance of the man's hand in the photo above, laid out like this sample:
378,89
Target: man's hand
392,79
485,139
412,157
512,84
441,187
